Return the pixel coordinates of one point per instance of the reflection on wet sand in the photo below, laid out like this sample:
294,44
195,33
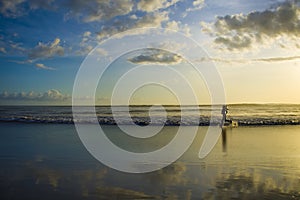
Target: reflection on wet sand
177,181
257,165
245,187
224,139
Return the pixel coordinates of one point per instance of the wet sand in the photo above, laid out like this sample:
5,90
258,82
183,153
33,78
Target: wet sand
48,161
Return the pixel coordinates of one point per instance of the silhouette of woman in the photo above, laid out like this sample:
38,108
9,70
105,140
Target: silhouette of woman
224,113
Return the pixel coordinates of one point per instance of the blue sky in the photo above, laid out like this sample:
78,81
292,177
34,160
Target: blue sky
254,44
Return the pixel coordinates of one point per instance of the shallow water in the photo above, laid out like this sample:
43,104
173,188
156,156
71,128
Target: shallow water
48,161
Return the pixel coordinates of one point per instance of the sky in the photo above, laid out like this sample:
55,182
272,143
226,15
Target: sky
253,44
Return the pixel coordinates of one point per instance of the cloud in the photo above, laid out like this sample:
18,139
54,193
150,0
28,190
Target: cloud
154,5
11,8
45,4
178,26
243,31
97,10
87,10
2,50
54,95
9,47
266,60
175,46
197,5
46,50
87,43
101,51
148,20
16,8
173,25
42,66
16,46
156,56
50,95
84,49
152,20
277,59
87,34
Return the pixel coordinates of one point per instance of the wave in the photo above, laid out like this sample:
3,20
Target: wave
145,121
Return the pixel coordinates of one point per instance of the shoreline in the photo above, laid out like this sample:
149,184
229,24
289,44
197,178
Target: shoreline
143,124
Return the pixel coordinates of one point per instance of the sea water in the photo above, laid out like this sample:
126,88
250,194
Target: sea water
245,114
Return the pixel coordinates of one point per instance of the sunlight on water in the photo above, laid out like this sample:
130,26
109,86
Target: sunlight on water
246,163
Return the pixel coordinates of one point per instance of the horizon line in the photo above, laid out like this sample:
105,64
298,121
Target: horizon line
107,105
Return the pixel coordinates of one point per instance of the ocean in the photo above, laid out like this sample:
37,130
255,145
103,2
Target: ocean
245,114
42,157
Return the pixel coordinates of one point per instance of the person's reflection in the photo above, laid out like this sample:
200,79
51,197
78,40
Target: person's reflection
224,139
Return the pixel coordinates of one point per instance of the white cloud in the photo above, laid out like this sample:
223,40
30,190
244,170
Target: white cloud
243,31
133,17
54,95
87,34
173,25
42,66
154,5
46,50
197,5
85,49
50,95
175,46
87,43
102,51
178,26
156,56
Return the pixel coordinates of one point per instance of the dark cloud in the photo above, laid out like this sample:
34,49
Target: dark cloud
242,31
156,56
16,8
45,4
112,16
132,22
266,60
92,10
277,59
88,10
11,8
